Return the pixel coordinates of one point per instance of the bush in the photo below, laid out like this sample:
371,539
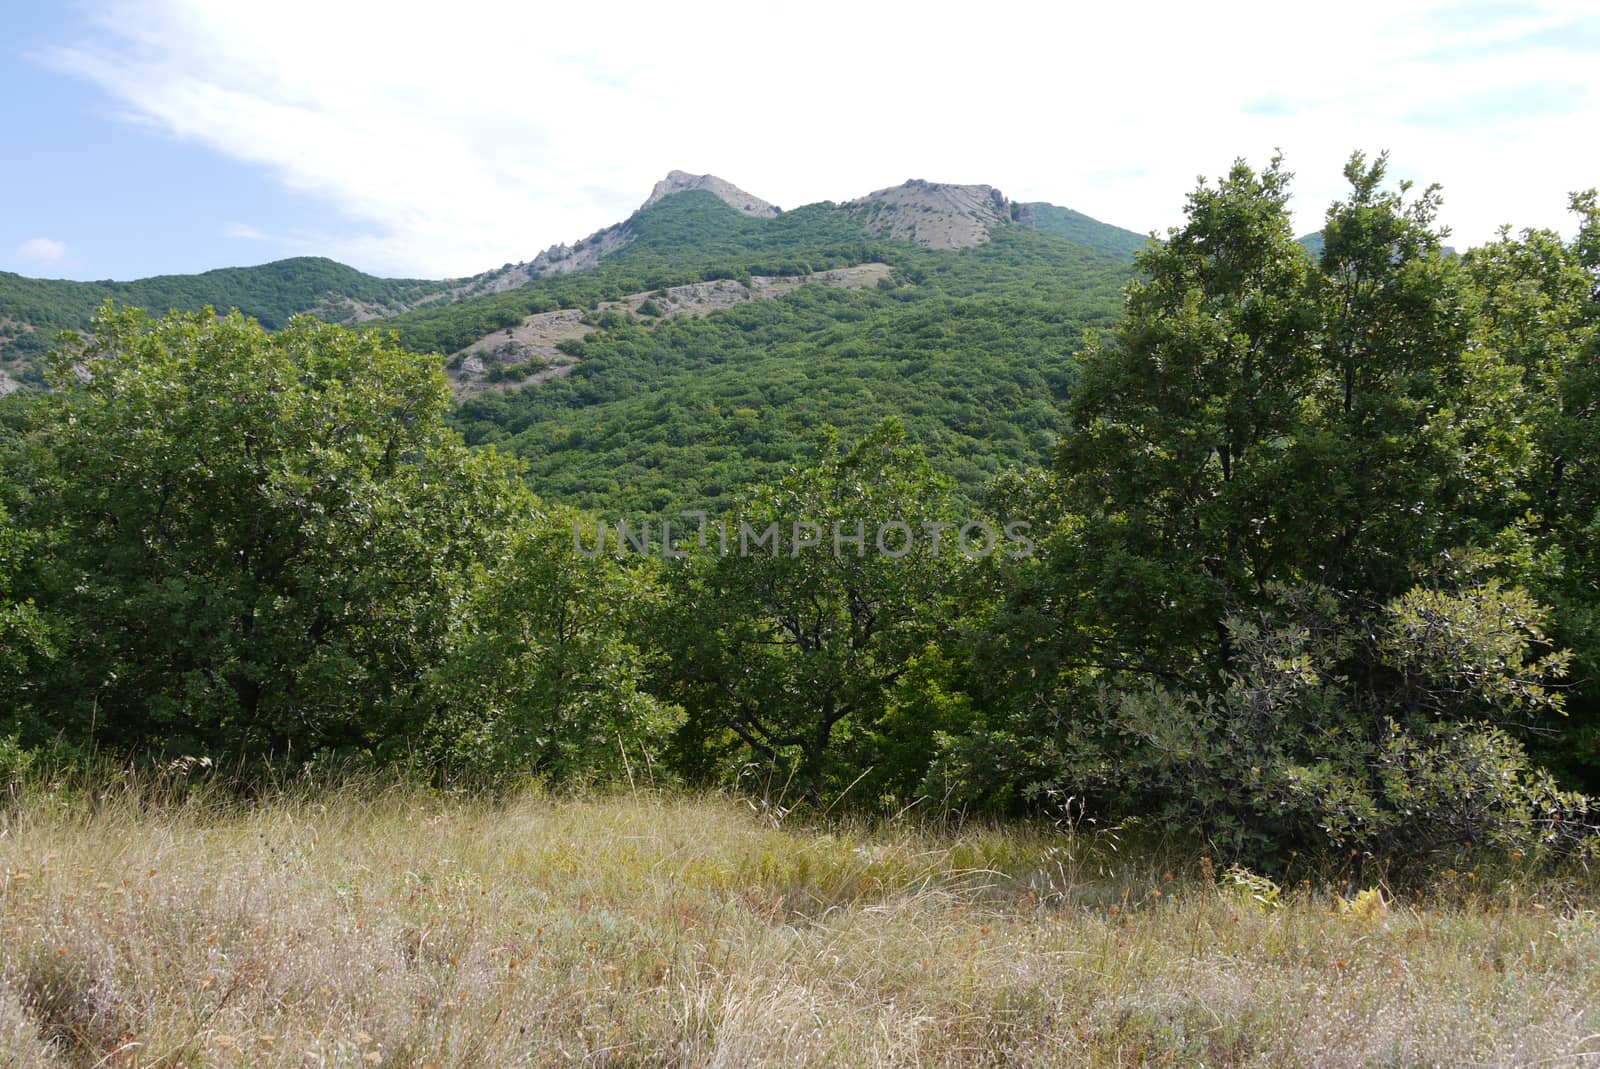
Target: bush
1337,727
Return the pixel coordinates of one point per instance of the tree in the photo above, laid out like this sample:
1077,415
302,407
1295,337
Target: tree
786,649
1406,451
257,543
1175,470
1288,543
543,679
1536,300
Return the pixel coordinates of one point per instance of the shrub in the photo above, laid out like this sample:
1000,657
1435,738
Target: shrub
1337,727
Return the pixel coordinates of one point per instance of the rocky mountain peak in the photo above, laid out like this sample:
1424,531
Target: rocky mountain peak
732,195
939,215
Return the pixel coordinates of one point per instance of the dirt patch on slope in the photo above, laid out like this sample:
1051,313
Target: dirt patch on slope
531,352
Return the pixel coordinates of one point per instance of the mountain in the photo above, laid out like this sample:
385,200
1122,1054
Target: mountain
1079,229
933,214
34,311
709,339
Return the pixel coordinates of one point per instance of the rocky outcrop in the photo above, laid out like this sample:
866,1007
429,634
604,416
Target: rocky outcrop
559,259
935,214
730,194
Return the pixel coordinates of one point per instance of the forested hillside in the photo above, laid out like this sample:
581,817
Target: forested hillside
971,349
687,237
1079,229
33,311
1299,555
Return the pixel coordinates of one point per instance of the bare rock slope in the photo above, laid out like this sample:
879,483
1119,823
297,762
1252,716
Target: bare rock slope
732,195
935,214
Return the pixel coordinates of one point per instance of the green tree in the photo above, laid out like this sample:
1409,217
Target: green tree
1407,451
544,679
1536,300
257,543
1176,467
1291,502
791,653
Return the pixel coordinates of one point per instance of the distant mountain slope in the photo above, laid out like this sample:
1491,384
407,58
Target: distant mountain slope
1313,243
688,237
537,349
34,311
971,349
1082,230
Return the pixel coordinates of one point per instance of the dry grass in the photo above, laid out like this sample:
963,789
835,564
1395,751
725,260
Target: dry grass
391,928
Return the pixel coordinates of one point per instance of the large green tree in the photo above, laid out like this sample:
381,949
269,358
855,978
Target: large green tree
1407,450
1287,537
1535,298
1262,420
256,543
785,650
1176,466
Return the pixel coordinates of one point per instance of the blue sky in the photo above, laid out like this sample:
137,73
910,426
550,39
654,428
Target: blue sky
125,198
153,136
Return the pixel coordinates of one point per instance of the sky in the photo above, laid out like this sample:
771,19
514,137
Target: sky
439,140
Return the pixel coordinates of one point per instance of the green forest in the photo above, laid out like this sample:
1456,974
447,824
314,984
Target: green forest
1313,568
965,348
34,311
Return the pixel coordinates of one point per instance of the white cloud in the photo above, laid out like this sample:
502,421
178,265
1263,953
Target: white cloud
454,139
244,232
43,252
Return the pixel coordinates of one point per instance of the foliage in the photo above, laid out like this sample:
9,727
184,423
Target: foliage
543,680
688,237
1079,229
26,641
794,650
970,352
1319,531
1177,466
1536,299
34,311
257,543
1281,602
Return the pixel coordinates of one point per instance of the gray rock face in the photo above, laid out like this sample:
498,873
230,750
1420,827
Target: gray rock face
559,259
730,194
936,214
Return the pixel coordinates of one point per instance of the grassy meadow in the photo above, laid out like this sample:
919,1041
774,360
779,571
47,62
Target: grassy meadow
394,927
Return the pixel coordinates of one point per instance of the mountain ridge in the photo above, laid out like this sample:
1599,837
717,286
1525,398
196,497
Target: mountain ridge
941,216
